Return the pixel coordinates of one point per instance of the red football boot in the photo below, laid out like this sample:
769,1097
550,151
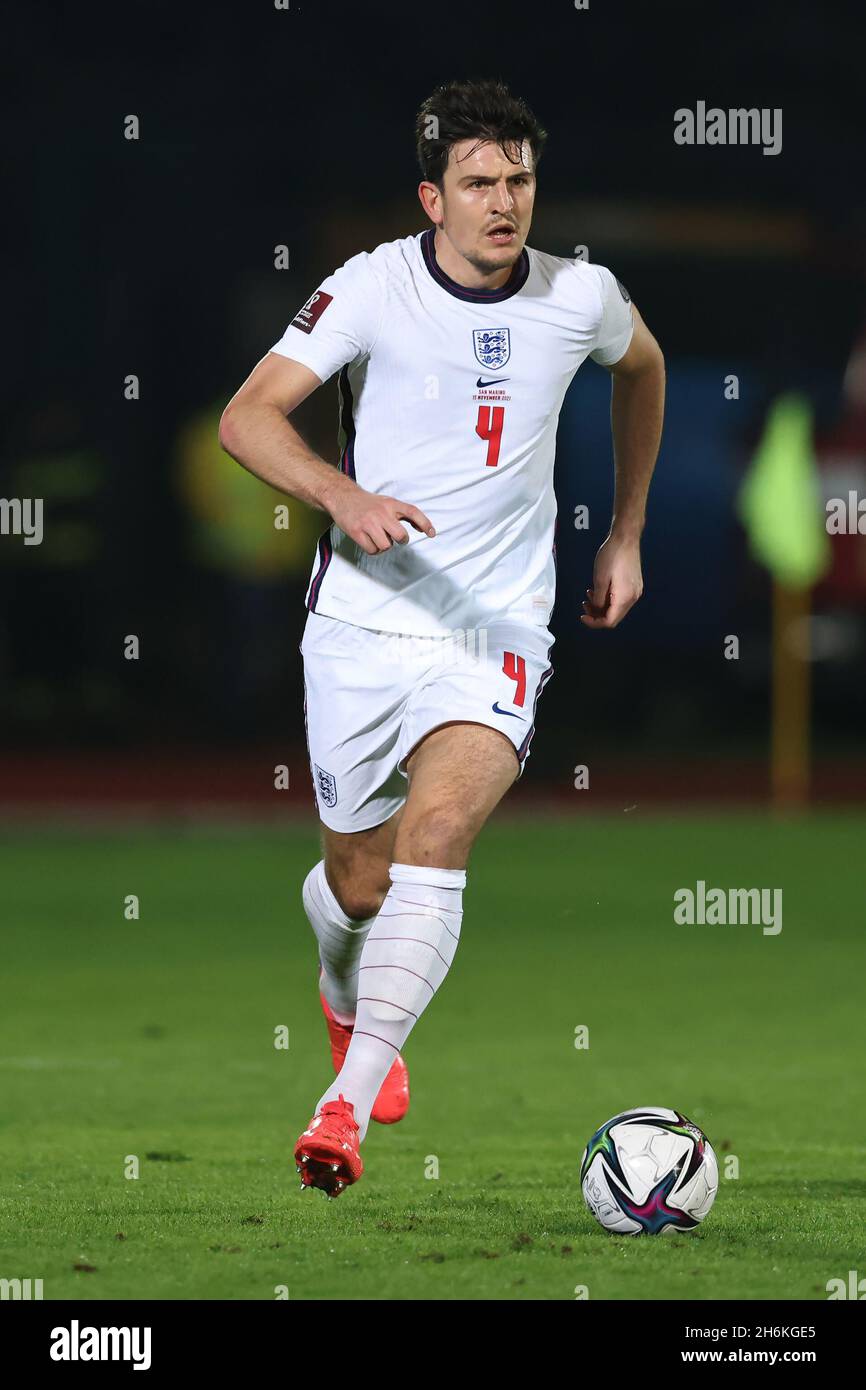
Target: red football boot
327,1154
392,1102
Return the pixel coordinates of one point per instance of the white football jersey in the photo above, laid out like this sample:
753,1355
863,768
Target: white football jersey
449,399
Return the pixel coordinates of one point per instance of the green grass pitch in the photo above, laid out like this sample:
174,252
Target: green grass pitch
155,1038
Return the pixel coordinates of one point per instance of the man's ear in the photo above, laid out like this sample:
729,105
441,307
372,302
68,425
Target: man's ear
431,202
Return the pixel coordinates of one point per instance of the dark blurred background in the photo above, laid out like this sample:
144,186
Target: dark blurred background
262,127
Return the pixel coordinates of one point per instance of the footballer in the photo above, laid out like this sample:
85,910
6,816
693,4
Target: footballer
426,644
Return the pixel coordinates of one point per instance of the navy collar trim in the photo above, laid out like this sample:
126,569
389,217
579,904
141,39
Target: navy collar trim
516,280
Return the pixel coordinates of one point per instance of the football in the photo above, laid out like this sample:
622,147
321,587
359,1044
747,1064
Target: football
649,1171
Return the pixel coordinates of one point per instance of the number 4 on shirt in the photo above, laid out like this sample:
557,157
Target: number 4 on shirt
489,427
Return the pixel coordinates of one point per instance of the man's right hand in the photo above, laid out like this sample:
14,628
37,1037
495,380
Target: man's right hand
255,430
373,521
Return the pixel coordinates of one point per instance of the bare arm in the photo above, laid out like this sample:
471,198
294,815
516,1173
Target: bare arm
255,431
637,410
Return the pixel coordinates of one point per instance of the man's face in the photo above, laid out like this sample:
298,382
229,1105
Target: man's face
486,202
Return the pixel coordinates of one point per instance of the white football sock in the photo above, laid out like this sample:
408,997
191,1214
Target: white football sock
406,956
341,940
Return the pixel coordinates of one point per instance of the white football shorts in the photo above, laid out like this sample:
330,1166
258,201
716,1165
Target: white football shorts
371,696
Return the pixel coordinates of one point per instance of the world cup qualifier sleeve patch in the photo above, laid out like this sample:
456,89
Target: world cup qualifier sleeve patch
623,291
307,317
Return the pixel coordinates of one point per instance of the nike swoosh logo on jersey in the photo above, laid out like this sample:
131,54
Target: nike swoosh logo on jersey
495,706
494,381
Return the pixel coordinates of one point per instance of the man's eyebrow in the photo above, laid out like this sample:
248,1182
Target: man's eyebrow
486,178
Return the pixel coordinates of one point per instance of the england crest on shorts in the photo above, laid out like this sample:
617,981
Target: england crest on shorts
492,347
327,786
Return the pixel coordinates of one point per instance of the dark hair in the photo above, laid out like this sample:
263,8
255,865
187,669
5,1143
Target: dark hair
483,109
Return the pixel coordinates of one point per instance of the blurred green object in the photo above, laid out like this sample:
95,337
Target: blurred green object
235,527
779,501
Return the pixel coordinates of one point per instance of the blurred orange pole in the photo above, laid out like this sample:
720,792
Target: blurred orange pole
791,700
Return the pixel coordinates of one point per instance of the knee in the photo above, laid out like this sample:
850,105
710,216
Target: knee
360,893
435,835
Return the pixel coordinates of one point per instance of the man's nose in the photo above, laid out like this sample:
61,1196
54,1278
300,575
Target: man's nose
504,197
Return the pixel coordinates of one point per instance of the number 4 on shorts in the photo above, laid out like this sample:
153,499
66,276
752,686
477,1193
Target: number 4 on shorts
514,667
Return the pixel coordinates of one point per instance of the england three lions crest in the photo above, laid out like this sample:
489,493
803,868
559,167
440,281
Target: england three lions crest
327,786
492,347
